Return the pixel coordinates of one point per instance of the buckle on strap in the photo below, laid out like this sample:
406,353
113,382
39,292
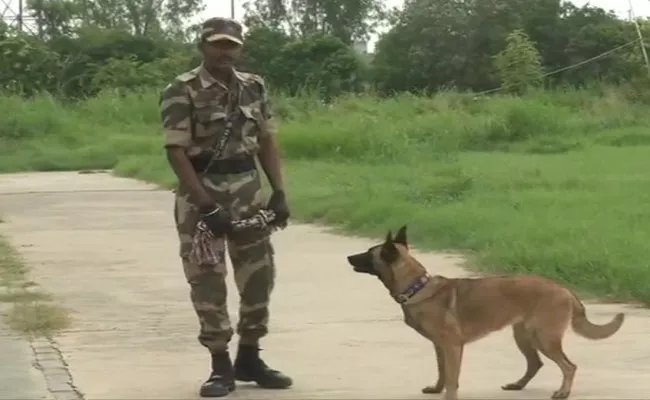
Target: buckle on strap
413,289
402,298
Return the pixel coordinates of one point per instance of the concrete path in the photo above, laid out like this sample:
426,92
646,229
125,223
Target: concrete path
106,248
19,376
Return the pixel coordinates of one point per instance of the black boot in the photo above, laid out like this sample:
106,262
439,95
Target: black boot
221,381
249,367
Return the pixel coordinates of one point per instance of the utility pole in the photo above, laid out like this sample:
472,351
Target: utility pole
232,9
19,17
641,40
12,12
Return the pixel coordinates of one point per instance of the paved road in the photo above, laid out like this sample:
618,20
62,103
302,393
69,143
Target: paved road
19,378
106,248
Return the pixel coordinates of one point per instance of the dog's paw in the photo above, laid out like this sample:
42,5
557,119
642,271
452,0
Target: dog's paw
560,394
512,386
432,389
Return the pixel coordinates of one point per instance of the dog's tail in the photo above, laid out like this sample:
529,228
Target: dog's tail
585,328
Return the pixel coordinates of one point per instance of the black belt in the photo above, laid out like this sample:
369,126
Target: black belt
226,166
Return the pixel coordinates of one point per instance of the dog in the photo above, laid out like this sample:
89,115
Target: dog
454,312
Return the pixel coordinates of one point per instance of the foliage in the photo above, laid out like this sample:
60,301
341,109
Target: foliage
440,43
519,65
320,63
131,74
82,46
347,20
138,17
28,65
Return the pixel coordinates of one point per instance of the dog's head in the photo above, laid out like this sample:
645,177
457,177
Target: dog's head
380,260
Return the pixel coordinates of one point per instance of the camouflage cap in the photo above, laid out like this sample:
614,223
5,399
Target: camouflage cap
219,28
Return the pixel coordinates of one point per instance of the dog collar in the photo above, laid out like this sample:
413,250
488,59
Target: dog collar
413,289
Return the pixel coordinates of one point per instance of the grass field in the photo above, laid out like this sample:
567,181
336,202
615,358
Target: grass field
553,183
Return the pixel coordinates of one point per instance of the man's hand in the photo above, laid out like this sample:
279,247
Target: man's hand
278,203
217,219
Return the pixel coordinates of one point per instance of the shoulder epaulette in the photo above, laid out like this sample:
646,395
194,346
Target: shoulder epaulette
189,75
249,76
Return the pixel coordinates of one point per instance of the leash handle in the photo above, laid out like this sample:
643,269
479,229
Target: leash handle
204,248
261,220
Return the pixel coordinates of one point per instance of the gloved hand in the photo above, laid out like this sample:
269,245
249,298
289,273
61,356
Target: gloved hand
278,203
218,219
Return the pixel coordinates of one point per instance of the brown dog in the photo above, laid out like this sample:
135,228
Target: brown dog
454,312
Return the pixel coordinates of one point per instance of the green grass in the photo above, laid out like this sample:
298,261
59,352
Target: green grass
555,183
30,311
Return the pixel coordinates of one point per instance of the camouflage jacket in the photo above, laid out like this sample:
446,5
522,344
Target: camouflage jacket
194,107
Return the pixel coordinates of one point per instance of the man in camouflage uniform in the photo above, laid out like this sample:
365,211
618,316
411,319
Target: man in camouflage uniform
195,108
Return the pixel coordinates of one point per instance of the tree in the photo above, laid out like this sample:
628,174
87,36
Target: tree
138,17
28,66
262,52
519,65
490,22
587,32
55,18
451,43
425,49
321,63
347,20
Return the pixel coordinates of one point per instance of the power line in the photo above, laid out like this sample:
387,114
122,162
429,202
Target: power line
640,35
569,67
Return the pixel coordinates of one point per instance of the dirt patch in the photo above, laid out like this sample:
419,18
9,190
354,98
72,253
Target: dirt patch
30,311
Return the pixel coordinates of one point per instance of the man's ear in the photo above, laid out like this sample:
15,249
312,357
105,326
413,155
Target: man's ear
389,252
401,238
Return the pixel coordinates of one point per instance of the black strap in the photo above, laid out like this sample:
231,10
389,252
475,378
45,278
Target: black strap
233,110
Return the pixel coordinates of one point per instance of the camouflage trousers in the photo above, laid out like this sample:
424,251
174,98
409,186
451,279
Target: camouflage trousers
251,256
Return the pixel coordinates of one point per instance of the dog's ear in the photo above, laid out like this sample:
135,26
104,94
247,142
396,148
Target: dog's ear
389,252
400,237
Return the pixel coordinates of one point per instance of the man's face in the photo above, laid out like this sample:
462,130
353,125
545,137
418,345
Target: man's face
221,54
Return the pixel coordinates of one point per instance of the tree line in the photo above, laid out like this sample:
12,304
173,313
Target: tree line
77,48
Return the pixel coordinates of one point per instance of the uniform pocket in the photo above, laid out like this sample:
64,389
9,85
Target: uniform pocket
250,125
210,118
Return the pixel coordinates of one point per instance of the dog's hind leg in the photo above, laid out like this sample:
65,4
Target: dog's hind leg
534,363
552,348
440,384
549,335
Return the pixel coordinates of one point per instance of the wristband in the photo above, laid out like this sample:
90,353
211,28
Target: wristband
214,211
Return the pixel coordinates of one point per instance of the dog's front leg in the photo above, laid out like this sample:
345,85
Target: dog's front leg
440,384
453,355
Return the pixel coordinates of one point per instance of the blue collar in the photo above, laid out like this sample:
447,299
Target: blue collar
413,289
